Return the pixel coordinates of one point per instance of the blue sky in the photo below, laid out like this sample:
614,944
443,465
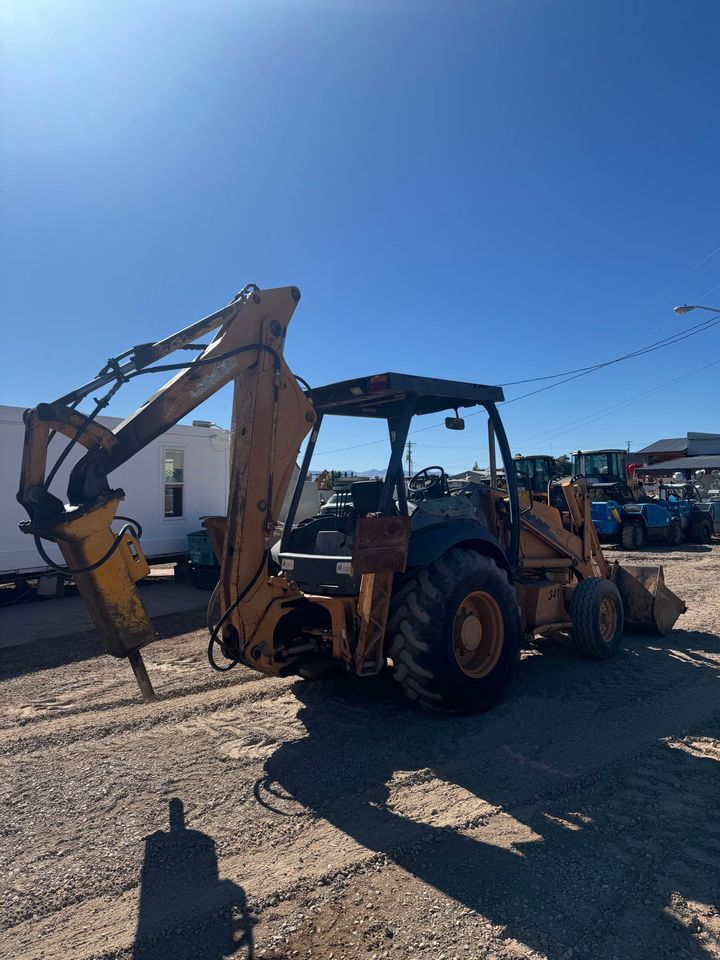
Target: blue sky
482,191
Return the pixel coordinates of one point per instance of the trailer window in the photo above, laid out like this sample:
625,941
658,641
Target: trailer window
174,478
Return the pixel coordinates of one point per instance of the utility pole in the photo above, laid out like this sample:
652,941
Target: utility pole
627,445
409,458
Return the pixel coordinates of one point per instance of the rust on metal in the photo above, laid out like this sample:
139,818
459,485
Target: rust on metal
217,529
373,609
381,545
38,423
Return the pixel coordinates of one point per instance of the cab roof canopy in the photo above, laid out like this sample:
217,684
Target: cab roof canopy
385,394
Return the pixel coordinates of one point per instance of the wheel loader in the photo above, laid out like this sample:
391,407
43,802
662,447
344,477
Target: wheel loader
441,587
536,473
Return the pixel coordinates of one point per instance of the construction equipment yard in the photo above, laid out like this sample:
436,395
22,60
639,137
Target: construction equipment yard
241,815
360,481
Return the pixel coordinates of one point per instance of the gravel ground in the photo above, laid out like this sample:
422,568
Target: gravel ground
241,816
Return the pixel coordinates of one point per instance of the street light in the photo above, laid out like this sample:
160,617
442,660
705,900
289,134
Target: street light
686,308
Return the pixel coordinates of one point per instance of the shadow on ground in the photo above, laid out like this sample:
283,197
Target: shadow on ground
186,911
616,829
664,548
50,654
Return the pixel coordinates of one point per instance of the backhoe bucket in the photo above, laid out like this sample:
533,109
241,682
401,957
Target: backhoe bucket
649,605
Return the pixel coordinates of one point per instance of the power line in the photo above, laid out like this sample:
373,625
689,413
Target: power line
665,294
693,331
548,435
568,376
670,341
709,262
650,348
692,270
700,298
354,446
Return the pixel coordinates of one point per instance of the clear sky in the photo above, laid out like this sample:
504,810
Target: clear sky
483,191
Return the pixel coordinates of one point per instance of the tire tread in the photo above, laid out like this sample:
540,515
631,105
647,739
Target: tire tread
583,610
416,624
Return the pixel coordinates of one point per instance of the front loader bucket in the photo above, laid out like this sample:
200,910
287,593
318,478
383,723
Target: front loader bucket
649,605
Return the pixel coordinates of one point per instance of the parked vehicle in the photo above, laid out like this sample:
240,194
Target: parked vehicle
685,502
632,524
623,516
339,501
601,466
535,473
715,512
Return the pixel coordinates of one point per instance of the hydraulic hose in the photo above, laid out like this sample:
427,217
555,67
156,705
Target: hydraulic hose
132,526
215,630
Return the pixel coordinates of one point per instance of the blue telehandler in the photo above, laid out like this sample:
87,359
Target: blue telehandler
620,511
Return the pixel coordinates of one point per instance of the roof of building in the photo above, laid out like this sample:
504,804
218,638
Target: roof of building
671,445
683,463
473,474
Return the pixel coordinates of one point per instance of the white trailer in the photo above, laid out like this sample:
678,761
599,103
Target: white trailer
169,485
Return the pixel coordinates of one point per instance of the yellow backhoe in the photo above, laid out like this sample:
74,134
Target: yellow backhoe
442,586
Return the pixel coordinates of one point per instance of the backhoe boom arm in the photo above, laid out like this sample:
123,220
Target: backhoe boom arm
271,416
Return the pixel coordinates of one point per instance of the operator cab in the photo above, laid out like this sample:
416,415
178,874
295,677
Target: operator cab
317,551
536,473
601,466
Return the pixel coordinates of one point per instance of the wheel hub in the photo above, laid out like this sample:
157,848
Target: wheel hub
471,632
607,619
478,634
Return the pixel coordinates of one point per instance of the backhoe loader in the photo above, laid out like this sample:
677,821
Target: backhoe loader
440,586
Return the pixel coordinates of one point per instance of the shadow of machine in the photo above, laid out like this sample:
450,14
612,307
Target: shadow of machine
590,865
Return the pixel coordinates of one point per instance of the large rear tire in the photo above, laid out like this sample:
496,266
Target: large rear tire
701,531
454,633
598,618
632,535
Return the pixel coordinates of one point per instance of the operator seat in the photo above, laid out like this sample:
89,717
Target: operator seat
366,496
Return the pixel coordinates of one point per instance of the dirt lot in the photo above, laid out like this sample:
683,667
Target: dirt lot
241,816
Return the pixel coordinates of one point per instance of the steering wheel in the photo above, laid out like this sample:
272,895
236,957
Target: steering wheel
425,485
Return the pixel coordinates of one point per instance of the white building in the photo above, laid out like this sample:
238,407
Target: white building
169,485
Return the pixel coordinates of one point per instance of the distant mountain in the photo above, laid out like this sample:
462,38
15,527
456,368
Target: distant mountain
373,472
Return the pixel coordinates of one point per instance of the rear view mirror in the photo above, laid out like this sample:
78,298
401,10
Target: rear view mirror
454,423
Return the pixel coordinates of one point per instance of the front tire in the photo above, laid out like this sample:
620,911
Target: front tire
598,618
454,633
675,534
632,536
